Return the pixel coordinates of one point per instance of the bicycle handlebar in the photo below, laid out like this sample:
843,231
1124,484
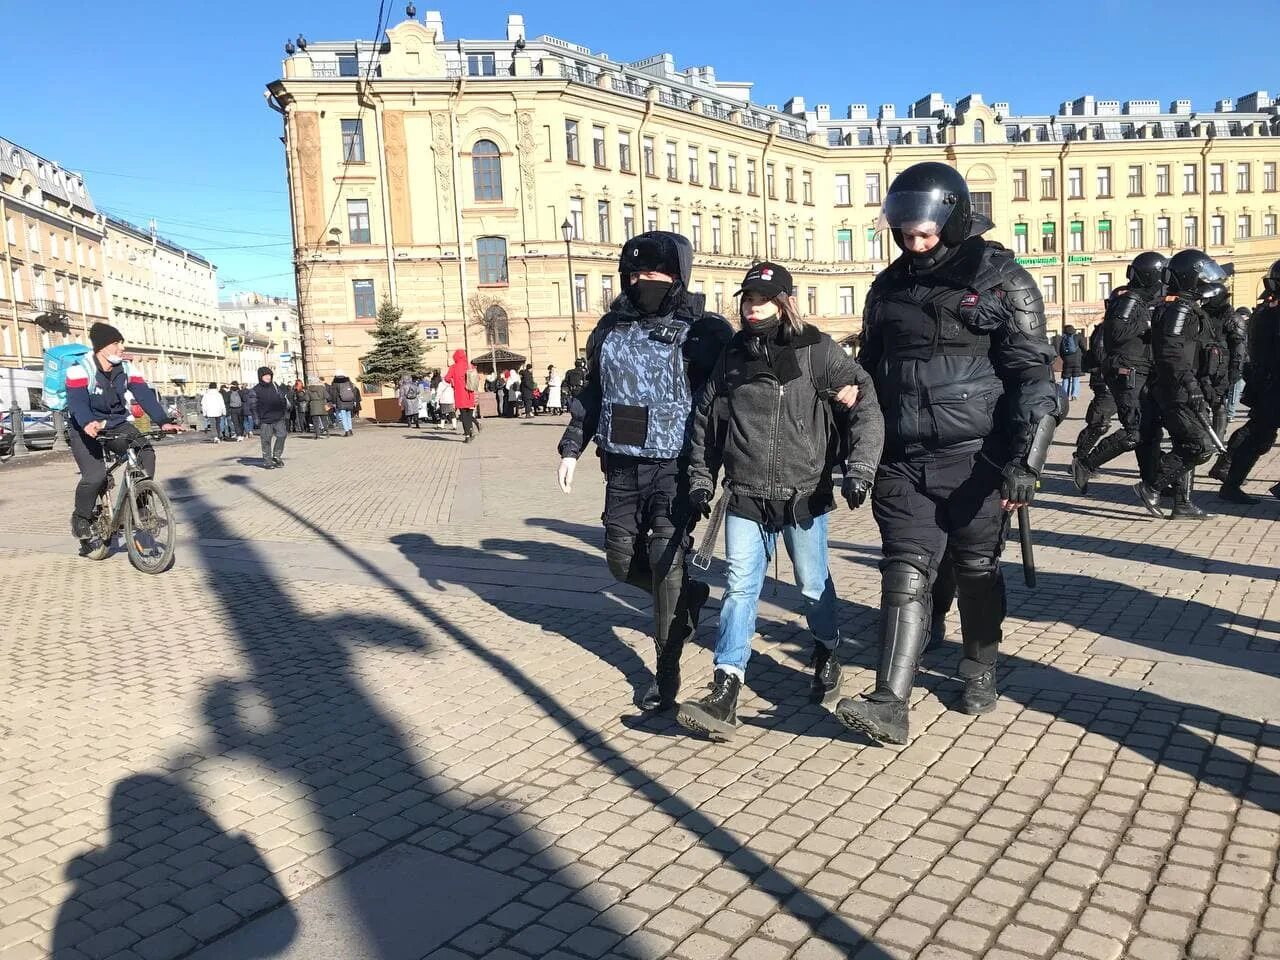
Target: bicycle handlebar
104,436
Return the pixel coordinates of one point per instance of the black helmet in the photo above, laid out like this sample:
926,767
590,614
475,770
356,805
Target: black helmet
1147,270
1271,282
929,192
1193,272
1216,295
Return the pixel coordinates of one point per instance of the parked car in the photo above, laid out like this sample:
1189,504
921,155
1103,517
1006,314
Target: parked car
37,429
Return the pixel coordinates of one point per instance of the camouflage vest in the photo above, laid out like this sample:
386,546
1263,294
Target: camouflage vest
646,401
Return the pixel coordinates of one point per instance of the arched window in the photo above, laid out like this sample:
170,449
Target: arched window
486,169
979,132
496,332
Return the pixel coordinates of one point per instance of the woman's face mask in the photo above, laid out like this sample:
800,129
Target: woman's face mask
759,315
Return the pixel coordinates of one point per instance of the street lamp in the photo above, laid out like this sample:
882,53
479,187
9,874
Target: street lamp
566,231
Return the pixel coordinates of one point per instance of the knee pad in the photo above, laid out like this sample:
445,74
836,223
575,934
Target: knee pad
619,552
976,574
903,583
1129,439
666,557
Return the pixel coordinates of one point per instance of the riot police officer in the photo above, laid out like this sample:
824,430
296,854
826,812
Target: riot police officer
646,361
1261,393
1126,344
1222,356
1103,405
955,343
1179,334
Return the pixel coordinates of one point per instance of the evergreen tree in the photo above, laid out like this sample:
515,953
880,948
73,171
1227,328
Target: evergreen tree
397,348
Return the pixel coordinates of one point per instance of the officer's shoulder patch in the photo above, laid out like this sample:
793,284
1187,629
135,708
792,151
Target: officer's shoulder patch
1170,298
969,300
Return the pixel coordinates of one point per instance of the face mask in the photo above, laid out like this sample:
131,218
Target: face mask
759,326
115,360
649,296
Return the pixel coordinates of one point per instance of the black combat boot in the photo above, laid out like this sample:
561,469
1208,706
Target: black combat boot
979,693
1080,473
665,687
826,673
1221,468
716,714
937,630
1236,495
1183,507
982,609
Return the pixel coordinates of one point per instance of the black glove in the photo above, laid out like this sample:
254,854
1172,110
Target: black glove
1018,484
855,490
700,499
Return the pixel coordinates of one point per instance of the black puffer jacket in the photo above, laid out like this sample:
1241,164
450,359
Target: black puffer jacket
959,356
770,421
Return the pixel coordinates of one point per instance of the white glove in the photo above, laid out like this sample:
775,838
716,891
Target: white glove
565,473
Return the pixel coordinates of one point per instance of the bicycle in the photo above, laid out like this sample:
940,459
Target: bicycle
140,508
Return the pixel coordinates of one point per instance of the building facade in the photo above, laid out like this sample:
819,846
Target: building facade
444,176
267,328
164,299
52,267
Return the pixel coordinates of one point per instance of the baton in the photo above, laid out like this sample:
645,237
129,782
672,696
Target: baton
1028,557
1207,424
707,549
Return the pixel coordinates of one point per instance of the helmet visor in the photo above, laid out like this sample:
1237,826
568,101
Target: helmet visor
1210,271
923,212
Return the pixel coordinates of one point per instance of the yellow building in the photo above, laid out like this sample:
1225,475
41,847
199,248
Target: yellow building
52,268
164,299
443,174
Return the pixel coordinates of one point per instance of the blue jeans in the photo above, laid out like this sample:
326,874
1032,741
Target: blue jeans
1073,387
344,420
1233,398
748,549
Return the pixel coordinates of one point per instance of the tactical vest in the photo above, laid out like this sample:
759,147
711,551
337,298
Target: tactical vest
921,323
646,401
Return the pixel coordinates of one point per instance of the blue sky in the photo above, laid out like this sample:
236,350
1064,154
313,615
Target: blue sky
161,105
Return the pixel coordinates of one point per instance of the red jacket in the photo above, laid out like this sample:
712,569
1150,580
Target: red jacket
463,399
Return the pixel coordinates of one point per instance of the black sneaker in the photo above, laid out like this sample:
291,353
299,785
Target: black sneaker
279,461
81,528
885,721
825,688
716,714
268,465
979,694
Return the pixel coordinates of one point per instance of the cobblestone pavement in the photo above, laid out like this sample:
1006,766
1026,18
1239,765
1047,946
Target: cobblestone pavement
405,653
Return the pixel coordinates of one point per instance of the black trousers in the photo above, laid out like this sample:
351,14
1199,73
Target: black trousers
1249,443
468,417
1191,444
1096,420
237,422
90,457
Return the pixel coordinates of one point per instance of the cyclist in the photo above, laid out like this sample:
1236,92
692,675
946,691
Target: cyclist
104,403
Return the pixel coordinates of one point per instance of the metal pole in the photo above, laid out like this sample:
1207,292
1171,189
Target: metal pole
15,425
573,299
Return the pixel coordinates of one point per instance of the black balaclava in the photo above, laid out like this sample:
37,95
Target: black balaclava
652,298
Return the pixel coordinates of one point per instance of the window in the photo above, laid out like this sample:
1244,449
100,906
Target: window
713,168
846,301
16,276
1269,177
873,188
808,244
624,151
1244,227
1104,235
1215,179
606,292
1217,231
875,244
695,230
791,243
693,165
580,291
571,140
649,160
813,299
486,171
751,177
842,190
602,220
53,245
673,172
10,231
1075,183
1048,183
353,141
1077,235
1049,288
1077,288
597,147
650,219
979,132
1020,238
981,202
1135,234
1135,181
1049,237
1019,184
715,235
1189,178
66,249
575,217
491,252
480,65
1104,286
1162,179
773,241
844,245
365,304
674,221
1191,231
735,237
628,221
806,186
768,181
733,172
1244,177
1104,181
754,237
358,221
719,297
789,182
1164,233
348,65
1269,225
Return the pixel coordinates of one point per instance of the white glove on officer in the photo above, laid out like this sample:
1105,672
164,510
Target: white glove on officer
565,474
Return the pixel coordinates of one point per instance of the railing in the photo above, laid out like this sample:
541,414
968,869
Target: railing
793,132
629,87
712,110
47,307
670,99
756,123
324,70
577,73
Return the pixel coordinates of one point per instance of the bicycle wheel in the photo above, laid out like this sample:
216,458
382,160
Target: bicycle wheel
149,530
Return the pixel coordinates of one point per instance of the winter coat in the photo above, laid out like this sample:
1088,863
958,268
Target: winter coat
248,397
554,400
781,435
317,395
1072,363
409,404
528,385
270,402
212,406
463,399
335,395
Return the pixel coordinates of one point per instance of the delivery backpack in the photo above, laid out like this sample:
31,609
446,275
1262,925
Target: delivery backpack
57,362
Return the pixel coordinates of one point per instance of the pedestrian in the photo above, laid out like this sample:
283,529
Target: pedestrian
249,395
528,388
225,393
301,414
214,411
271,401
778,379
345,398
317,406
433,399
1072,354
555,403
464,396
954,338
648,357
513,393
407,395
235,406
474,386
573,380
